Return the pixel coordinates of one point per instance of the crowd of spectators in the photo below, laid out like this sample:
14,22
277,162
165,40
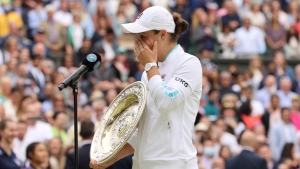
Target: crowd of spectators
43,41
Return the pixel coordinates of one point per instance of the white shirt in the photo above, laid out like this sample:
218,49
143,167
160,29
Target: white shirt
41,132
164,136
227,52
229,140
257,18
78,36
287,134
109,51
19,148
250,41
64,18
257,108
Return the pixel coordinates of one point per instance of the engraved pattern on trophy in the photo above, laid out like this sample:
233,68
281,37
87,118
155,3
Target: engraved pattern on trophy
119,122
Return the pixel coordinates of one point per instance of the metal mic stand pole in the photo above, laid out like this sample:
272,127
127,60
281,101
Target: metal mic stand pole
75,93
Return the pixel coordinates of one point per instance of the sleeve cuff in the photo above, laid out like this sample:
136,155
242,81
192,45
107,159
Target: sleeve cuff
153,82
133,139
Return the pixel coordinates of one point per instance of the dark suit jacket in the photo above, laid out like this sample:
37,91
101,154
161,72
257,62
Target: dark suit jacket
246,160
84,158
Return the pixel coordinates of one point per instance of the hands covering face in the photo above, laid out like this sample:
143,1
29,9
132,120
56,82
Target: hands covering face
145,52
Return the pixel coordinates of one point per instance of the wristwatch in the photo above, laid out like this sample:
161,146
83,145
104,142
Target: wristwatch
148,66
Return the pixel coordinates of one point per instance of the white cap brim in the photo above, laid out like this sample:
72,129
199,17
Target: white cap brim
133,28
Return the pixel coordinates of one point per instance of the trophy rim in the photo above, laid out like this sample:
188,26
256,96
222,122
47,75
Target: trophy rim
96,152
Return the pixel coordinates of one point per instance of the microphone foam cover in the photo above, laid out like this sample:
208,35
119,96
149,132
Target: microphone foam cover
92,61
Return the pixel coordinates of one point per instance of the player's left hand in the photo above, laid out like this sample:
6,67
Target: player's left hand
143,53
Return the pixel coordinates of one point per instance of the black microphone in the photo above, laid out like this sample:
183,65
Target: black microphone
91,62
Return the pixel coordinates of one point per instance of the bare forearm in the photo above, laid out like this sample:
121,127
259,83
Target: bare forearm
126,151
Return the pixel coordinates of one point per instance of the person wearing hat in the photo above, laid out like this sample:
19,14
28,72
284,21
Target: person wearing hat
174,82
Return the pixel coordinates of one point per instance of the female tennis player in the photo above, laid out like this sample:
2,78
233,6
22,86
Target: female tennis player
174,81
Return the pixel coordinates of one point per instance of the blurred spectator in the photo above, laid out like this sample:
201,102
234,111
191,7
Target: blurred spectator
36,16
257,107
225,153
256,68
99,108
249,120
102,13
272,115
227,40
208,66
249,40
82,52
284,93
208,154
244,8
21,10
19,144
86,132
105,75
36,75
55,36
283,166
86,20
59,125
25,100
234,124
281,133
288,153
218,163
182,8
224,137
56,153
276,35
6,87
295,112
12,103
2,112
264,94
297,24
37,154
231,18
278,9
211,109
9,16
225,82
102,28
247,158
67,67
109,44
265,152
204,35
292,44
257,18
35,127
119,18
76,31
8,131
63,16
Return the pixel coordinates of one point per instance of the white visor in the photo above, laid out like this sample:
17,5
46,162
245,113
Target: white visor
134,28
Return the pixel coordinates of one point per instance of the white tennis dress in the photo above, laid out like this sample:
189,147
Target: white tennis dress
163,139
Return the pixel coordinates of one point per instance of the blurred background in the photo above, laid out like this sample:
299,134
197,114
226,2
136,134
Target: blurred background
249,51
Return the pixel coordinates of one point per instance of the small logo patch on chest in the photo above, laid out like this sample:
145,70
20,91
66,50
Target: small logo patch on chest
163,77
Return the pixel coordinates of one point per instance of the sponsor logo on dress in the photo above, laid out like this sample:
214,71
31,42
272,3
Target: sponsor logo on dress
185,84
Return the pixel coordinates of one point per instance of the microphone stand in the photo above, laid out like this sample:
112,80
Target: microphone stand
75,94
